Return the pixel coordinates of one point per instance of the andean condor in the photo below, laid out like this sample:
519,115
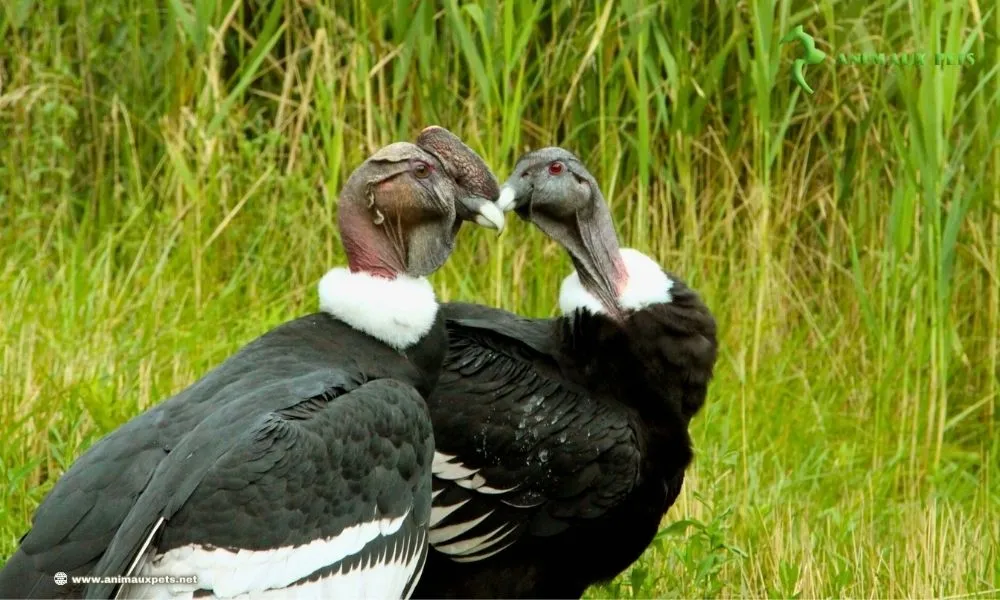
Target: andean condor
300,466
561,443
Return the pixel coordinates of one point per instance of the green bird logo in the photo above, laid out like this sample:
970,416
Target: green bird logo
813,55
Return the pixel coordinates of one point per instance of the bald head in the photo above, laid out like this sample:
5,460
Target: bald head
553,190
467,168
399,209
470,172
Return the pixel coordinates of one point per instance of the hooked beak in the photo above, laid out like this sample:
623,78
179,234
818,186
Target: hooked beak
515,195
486,213
507,198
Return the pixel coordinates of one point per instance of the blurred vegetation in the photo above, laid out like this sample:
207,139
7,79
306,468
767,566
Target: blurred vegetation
169,179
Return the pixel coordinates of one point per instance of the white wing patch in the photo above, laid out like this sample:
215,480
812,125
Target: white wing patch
447,466
445,469
468,559
474,548
473,545
438,513
256,573
451,538
443,534
143,554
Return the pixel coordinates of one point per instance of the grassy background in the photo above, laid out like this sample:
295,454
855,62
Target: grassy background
169,180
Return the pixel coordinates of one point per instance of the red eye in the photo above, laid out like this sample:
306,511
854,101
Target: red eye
556,168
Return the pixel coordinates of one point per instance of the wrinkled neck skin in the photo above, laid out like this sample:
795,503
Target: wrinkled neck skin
368,248
599,261
611,280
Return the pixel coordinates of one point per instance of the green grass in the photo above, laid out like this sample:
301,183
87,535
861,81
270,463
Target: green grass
169,182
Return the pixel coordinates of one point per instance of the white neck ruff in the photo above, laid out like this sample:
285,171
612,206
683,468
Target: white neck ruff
398,312
647,284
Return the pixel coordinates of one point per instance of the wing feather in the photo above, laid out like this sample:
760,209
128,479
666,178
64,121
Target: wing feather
324,496
521,450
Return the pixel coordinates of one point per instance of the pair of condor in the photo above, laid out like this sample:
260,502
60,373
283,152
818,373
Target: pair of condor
392,447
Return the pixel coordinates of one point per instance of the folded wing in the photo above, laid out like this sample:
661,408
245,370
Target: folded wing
325,495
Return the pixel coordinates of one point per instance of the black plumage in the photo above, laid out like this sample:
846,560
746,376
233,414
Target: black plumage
304,457
561,443
278,430
306,450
